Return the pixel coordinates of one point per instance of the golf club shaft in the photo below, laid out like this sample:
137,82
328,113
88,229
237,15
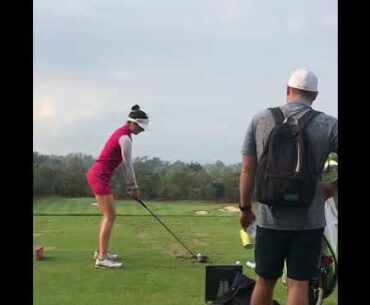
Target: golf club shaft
162,223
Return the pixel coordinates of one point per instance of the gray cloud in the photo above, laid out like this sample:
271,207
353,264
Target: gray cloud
201,70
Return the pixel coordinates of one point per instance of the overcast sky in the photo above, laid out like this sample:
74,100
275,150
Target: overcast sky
200,69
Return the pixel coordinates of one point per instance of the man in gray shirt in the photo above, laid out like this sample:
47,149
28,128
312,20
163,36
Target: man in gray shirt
288,234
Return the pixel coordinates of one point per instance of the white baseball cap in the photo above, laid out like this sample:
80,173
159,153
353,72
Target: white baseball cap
303,79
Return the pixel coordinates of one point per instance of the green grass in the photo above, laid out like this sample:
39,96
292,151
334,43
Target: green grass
157,270
82,206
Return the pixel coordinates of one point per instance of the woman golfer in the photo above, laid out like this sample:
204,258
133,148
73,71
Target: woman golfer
117,150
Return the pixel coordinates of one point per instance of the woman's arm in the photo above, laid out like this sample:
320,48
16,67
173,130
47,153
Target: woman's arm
128,170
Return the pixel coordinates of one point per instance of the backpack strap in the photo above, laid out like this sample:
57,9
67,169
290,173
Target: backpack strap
278,115
306,117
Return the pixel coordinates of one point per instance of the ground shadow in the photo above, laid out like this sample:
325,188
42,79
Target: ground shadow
47,258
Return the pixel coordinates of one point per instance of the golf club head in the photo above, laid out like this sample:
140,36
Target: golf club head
202,258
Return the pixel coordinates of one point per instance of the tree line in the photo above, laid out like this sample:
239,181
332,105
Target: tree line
65,176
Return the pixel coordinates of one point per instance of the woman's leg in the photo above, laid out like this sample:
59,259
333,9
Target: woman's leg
98,233
106,207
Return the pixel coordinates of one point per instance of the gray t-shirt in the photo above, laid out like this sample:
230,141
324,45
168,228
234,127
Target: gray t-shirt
322,131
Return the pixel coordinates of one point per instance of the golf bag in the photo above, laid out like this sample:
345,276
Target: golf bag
323,285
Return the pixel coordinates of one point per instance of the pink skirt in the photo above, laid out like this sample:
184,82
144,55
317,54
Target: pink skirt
99,183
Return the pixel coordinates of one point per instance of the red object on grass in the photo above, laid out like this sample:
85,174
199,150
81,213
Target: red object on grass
39,252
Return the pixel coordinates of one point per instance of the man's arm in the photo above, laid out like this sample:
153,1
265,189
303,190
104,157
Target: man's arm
246,185
329,188
247,175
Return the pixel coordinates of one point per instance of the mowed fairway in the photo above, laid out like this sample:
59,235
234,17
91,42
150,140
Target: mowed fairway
157,270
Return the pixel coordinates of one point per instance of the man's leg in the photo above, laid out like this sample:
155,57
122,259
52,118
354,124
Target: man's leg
263,292
269,254
302,263
297,292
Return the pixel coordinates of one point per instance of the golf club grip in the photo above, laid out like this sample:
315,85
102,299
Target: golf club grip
144,205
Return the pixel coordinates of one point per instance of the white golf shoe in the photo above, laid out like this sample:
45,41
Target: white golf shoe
110,256
107,263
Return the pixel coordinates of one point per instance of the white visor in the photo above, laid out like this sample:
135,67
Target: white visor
143,123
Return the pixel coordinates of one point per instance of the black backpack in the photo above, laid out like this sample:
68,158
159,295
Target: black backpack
285,173
240,292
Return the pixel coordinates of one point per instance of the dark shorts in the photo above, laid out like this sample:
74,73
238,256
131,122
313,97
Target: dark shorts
300,249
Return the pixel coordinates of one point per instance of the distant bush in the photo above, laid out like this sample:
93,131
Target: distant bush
160,180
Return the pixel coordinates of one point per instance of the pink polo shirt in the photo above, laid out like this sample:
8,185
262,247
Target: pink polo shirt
100,174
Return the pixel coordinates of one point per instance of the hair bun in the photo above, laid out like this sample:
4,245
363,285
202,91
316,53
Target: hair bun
135,108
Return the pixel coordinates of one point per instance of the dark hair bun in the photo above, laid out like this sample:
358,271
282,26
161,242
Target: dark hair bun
135,108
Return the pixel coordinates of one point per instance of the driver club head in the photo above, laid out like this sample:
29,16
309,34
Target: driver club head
201,258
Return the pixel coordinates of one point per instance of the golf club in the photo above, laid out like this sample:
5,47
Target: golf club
201,258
